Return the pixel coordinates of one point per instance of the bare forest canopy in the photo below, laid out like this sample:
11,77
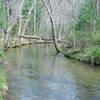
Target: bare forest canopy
74,21
19,17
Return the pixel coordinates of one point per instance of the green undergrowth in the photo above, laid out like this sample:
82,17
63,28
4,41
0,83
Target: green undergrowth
2,55
3,84
1,98
90,55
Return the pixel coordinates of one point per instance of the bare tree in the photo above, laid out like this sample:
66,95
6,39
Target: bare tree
20,18
8,26
28,18
98,6
35,3
52,25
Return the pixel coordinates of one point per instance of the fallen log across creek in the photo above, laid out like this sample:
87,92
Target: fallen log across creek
48,40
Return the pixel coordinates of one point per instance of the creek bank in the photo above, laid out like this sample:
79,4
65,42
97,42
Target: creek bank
89,55
3,85
3,79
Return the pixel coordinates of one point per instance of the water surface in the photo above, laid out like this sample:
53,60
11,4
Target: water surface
37,73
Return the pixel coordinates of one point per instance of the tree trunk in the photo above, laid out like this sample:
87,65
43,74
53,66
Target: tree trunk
52,25
74,42
98,6
94,24
5,46
28,18
6,32
35,16
20,19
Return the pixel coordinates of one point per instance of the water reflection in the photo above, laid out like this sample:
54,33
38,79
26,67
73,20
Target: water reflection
39,74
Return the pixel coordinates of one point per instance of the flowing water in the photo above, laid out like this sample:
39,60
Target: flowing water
38,73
